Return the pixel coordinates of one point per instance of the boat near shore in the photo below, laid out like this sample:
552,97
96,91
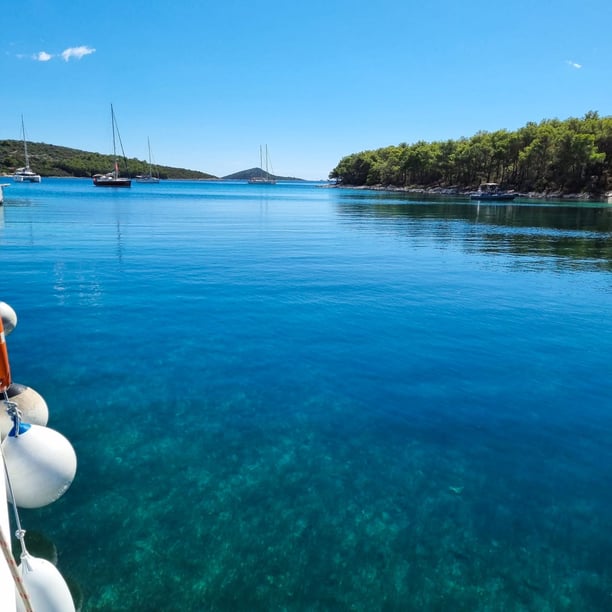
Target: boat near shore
264,178
25,174
113,179
152,175
492,192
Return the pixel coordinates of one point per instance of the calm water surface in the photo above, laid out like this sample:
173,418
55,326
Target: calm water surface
296,398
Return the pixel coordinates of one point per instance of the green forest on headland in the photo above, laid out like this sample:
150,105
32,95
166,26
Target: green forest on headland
52,160
560,157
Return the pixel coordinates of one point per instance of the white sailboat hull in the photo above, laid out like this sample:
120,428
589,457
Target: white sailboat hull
23,176
266,178
149,177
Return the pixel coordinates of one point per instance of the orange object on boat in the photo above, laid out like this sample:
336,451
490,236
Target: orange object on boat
5,369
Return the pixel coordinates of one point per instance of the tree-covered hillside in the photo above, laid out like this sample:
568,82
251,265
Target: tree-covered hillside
52,160
570,156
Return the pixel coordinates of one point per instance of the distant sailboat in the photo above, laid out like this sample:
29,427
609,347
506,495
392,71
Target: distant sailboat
112,179
25,174
266,178
152,176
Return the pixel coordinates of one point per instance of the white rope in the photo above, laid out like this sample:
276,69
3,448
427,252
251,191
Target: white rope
20,533
8,555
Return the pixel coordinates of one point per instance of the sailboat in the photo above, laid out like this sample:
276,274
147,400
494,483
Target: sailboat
150,176
267,178
25,174
112,179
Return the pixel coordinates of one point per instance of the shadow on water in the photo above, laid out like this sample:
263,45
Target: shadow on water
578,233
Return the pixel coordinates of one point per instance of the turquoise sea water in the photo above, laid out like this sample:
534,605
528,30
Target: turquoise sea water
296,398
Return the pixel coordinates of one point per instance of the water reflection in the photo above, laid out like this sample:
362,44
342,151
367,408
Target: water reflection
580,232
120,248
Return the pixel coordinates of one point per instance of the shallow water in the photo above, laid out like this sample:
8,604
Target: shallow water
296,398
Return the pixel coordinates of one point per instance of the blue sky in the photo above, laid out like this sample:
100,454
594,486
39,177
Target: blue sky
209,82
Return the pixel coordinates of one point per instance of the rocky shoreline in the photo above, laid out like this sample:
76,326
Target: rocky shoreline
460,192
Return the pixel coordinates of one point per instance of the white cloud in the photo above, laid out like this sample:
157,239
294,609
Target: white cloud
66,54
573,64
77,52
42,56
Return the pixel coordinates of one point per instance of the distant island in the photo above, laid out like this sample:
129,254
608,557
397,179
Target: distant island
245,175
552,157
53,160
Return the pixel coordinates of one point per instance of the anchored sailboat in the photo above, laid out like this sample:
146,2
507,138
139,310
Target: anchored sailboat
266,178
112,179
152,175
25,174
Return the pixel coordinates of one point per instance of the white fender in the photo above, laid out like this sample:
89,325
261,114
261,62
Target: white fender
7,584
46,588
41,464
31,404
9,318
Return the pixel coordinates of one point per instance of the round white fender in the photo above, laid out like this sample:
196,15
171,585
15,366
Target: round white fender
46,588
9,317
7,582
31,404
41,464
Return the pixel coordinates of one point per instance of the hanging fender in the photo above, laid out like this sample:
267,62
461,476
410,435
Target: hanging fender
5,370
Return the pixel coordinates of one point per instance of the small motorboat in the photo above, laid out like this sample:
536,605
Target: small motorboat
492,191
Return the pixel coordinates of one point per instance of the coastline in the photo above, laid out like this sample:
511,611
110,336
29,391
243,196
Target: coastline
457,192
602,198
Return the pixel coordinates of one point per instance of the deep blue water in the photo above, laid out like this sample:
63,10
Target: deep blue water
297,398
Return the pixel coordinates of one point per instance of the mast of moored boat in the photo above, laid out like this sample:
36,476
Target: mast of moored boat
115,166
150,162
25,145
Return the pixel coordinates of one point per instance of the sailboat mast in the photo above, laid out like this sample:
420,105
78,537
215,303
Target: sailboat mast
113,126
112,179
25,144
